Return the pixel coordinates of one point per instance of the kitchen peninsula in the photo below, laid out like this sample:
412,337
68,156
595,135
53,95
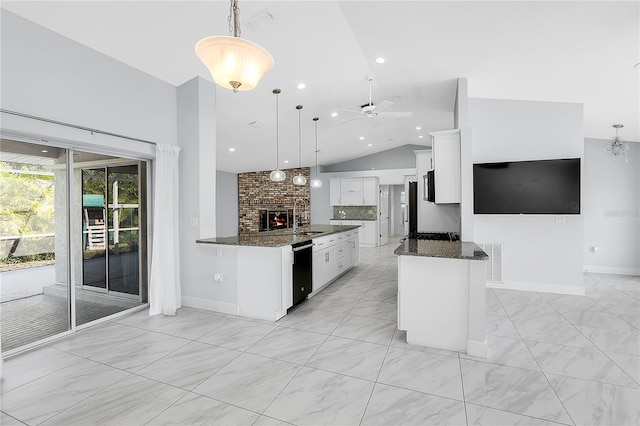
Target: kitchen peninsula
258,269
441,294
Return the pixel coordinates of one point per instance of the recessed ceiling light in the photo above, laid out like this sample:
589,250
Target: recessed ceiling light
420,136
418,128
231,149
361,138
370,144
286,161
380,60
44,150
334,114
301,85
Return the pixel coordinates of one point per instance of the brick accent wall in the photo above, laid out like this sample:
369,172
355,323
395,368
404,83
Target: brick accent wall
257,191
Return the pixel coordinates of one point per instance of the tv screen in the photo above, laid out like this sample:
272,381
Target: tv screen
527,187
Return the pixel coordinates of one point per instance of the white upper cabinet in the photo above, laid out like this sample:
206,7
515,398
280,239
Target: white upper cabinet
446,166
334,192
370,191
353,191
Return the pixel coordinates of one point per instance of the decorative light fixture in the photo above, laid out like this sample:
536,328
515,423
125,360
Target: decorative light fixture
316,183
277,175
299,179
235,63
617,147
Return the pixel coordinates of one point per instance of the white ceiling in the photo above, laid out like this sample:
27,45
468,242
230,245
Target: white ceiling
582,52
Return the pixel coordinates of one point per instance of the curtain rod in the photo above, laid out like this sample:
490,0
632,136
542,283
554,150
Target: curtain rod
88,129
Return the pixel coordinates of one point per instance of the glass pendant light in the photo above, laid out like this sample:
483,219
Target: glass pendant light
617,147
277,175
234,63
299,179
316,183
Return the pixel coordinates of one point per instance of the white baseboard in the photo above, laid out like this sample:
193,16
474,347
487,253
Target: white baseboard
477,348
210,305
611,270
577,290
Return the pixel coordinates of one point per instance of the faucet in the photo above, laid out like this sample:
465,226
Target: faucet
295,216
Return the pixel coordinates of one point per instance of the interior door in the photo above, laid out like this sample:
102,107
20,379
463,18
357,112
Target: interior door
384,214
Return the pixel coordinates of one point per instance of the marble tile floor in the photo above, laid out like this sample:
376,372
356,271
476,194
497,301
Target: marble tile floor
338,359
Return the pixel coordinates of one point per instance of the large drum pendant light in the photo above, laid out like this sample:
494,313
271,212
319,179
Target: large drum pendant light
299,179
234,63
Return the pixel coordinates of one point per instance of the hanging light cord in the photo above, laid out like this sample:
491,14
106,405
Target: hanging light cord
277,92
316,121
299,108
234,11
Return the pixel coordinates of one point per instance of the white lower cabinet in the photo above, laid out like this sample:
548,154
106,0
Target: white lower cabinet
332,256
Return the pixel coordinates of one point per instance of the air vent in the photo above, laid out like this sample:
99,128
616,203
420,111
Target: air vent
259,21
494,264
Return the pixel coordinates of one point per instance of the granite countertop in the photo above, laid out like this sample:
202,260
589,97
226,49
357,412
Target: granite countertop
364,220
279,238
451,250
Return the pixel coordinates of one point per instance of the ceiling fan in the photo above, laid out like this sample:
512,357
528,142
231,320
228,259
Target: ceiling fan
371,111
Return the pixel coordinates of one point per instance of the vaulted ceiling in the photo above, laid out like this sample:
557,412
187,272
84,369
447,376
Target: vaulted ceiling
560,51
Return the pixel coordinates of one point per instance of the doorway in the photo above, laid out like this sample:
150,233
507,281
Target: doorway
112,214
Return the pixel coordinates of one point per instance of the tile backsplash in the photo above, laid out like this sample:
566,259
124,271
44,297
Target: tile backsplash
355,212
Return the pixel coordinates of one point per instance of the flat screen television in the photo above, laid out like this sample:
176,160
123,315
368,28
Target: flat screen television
527,187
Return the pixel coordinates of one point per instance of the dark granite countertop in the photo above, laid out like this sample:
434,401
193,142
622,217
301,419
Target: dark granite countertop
279,238
364,220
451,250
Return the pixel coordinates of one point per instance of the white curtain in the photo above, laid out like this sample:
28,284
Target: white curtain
164,286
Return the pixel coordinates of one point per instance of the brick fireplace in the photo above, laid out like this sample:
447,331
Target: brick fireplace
257,192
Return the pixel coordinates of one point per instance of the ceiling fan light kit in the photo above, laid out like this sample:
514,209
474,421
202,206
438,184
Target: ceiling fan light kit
234,63
370,110
277,175
299,179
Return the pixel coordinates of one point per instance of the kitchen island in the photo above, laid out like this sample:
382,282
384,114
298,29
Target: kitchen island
253,273
441,294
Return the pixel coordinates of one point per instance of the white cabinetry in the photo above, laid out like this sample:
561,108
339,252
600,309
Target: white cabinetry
334,192
332,256
370,191
446,166
368,235
353,191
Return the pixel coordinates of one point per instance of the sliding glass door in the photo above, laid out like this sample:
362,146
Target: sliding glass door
72,239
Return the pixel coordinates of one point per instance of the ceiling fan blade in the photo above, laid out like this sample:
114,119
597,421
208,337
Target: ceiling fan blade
394,114
349,110
383,105
351,119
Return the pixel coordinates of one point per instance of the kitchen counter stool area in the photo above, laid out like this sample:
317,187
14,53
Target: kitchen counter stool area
338,359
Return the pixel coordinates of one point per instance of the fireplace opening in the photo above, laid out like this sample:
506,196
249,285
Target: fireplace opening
275,219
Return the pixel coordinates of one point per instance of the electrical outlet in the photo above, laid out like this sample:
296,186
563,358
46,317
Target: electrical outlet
561,218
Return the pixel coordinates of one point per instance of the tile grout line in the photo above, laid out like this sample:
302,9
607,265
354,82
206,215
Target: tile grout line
536,361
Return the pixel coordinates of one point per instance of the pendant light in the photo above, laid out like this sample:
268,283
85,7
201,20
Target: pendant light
617,147
299,179
316,183
234,63
277,175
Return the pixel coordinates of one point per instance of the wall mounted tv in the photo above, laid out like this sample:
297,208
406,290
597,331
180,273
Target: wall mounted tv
527,187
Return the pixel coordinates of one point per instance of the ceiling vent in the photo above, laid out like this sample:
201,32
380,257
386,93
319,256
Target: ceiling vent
259,21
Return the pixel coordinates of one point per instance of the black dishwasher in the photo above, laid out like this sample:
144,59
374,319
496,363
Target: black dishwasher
302,272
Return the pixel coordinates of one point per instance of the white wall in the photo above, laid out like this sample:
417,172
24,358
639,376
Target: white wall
611,206
47,75
539,254
197,138
226,204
